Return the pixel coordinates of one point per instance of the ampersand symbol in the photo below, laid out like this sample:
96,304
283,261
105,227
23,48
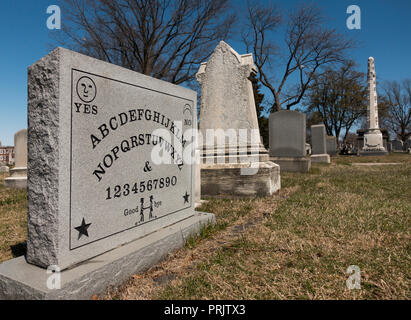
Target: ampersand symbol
147,167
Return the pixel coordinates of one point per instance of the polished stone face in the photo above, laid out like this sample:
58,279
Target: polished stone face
118,163
287,134
318,139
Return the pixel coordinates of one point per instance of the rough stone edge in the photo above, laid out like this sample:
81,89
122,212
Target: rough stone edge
43,159
112,273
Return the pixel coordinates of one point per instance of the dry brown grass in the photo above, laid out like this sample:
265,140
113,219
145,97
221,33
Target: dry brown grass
299,247
294,245
13,221
235,218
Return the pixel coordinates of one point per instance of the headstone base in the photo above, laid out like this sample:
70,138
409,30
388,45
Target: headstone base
240,180
4,169
320,158
373,152
373,144
20,280
294,164
17,179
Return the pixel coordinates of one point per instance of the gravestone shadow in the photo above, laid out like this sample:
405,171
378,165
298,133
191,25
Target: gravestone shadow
19,249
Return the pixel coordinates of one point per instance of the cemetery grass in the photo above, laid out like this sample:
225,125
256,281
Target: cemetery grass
299,243
13,221
296,244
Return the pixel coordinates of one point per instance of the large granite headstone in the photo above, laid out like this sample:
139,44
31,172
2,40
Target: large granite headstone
318,144
111,174
18,175
287,141
234,161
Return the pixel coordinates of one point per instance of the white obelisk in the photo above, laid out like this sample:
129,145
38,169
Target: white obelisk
373,142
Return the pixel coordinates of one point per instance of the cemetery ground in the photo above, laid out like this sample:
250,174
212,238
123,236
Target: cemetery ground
296,244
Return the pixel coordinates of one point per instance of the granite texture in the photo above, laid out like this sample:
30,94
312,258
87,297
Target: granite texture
71,215
43,160
20,280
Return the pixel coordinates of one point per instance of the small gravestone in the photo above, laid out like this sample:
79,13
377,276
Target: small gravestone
397,146
408,145
287,141
318,143
112,176
331,145
18,175
234,160
4,169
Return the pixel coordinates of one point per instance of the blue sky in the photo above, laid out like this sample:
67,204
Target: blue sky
385,35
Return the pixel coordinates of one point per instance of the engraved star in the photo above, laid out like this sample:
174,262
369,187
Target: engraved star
186,196
82,229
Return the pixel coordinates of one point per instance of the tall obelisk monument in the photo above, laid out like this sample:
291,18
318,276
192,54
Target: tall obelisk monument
373,142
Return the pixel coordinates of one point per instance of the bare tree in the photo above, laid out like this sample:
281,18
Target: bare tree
338,98
166,39
398,104
308,46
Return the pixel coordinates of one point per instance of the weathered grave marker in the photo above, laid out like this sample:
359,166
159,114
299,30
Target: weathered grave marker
234,160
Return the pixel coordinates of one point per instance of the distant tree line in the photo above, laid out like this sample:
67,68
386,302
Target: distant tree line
308,69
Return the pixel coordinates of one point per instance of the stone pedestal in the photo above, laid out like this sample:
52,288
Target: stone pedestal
373,143
287,141
18,175
230,180
20,280
320,158
234,162
4,169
